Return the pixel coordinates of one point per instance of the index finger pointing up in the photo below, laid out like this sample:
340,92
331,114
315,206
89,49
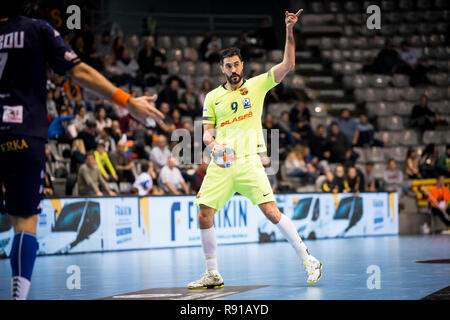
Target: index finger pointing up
298,12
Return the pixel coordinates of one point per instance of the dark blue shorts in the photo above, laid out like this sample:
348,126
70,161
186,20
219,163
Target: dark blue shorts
22,174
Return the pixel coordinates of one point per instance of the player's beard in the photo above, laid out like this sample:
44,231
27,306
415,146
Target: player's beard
234,82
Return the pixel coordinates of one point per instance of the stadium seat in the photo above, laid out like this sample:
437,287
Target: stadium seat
195,41
187,68
174,55
173,67
317,109
374,154
403,108
351,6
389,138
394,123
378,170
357,55
383,109
229,41
397,153
361,155
400,80
360,81
180,42
344,43
190,54
337,67
431,136
435,93
405,4
164,42
296,82
336,55
326,43
409,94
203,69
275,55
254,66
408,138
379,81
377,42
441,4
316,7
406,29
114,186
125,187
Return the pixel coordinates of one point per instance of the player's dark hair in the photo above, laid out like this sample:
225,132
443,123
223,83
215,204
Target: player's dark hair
230,52
144,167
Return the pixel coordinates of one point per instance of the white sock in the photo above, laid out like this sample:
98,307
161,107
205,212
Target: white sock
19,288
209,245
288,230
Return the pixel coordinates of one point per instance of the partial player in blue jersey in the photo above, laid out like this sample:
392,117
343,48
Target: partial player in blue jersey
27,47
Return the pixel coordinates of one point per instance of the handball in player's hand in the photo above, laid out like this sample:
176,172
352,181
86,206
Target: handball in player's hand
223,155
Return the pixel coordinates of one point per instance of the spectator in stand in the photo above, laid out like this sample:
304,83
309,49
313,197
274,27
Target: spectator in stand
443,164
329,185
48,186
204,44
199,175
365,133
88,135
105,46
206,87
412,164
371,183
102,120
113,72
78,155
388,60
73,92
121,163
51,105
105,138
428,161
57,130
299,113
265,36
296,166
438,198
128,66
104,164
176,119
318,142
160,153
299,118
412,64
90,180
166,126
171,179
340,179
422,116
152,62
337,144
144,182
246,47
170,94
213,49
117,45
393,178
283,124
348,126
355,179
189,102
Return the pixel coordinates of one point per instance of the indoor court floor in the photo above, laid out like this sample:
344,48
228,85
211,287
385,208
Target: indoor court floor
255,271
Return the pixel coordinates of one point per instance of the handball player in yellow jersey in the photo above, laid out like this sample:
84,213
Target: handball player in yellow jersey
234,110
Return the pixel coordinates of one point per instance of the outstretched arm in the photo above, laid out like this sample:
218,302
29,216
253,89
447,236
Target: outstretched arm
140,108
288,63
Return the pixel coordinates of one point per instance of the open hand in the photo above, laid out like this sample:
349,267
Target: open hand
142,107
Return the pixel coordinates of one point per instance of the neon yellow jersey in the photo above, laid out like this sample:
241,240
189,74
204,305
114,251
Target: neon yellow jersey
236,115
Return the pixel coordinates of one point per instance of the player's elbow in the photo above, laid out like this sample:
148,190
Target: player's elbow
79,71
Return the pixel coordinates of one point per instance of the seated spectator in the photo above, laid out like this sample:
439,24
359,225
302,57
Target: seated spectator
199,175
117,47
388,60
121,163
104,164
78,155
371,183
105,46
116,133
127,65
422,116
48,186
338,144
152,62
443,164
299,118
428,161
393,178
412,64
438,198
318,142
102,120
189,102
73,92
206,87
296,166
348,126
105,138
365,133
340,179
57,129
204,45
79,123
144,182
170,94
412,165
113,72
248,50
283,124
329,185
51,105
176,119
88,135
355,180
90,180
213,48
160,153
171,179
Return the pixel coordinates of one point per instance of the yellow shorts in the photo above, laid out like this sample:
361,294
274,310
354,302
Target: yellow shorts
246,176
